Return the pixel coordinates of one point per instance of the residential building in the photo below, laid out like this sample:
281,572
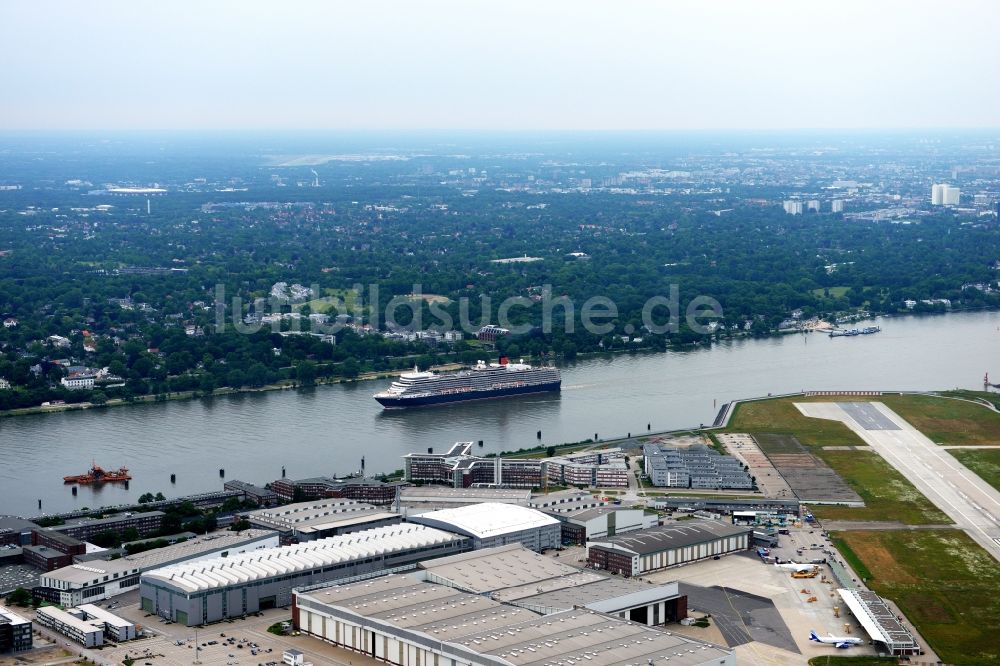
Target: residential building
793,207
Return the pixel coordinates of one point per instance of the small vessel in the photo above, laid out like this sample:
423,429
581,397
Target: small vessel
98,474
850,333
480,382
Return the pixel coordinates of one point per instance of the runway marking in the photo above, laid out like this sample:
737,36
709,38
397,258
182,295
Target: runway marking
916,456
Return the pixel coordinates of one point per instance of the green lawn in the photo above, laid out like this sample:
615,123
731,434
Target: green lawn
944,583
947,421
985,463
886,493
835,292
831,660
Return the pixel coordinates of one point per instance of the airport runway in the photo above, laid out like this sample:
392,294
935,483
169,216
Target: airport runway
972,503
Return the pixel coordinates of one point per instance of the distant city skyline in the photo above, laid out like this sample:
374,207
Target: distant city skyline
445,64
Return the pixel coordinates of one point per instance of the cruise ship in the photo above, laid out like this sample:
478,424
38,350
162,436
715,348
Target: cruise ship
482,381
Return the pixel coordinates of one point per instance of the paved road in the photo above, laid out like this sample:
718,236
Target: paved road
972,503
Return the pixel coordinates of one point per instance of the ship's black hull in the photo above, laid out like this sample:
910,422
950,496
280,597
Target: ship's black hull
449,398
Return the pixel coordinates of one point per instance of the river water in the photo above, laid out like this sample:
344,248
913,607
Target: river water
327,430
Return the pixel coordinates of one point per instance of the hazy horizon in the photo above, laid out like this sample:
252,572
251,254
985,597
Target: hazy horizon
445,65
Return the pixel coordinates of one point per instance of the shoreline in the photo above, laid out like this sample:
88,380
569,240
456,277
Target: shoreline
292,384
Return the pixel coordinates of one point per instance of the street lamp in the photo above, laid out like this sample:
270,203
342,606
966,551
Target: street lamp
197,647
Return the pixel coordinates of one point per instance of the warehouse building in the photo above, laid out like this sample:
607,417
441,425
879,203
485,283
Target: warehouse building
407,622
492,524
88,625
15,632
696,466
220,588
520,577
102,579
582,525
308,521
666,546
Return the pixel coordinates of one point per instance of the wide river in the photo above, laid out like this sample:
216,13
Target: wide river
327,430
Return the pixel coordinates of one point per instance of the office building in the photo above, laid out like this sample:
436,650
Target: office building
460,469
85,529
696,466
15,632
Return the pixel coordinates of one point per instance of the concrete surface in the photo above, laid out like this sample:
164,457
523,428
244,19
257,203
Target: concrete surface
972,503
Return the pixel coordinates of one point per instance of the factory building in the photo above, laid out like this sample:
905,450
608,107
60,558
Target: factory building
308,521
102,579
88,625
492,524
407,622
226,587
582,525
517,576
669,545
15,632
695,466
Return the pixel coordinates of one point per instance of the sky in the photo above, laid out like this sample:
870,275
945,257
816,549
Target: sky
511,65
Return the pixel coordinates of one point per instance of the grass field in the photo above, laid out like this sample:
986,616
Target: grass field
944,583
947,421
853,661
835,292
886,493
985,463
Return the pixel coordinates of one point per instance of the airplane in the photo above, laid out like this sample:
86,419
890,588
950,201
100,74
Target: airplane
843,642
793,566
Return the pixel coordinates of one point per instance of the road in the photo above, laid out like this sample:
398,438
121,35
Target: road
972,503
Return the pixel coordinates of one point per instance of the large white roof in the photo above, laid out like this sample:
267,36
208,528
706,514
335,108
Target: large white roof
283,560
488,519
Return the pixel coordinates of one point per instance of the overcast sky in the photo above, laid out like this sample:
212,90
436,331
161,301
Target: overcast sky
177,64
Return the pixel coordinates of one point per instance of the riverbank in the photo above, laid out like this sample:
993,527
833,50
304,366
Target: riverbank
191,395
